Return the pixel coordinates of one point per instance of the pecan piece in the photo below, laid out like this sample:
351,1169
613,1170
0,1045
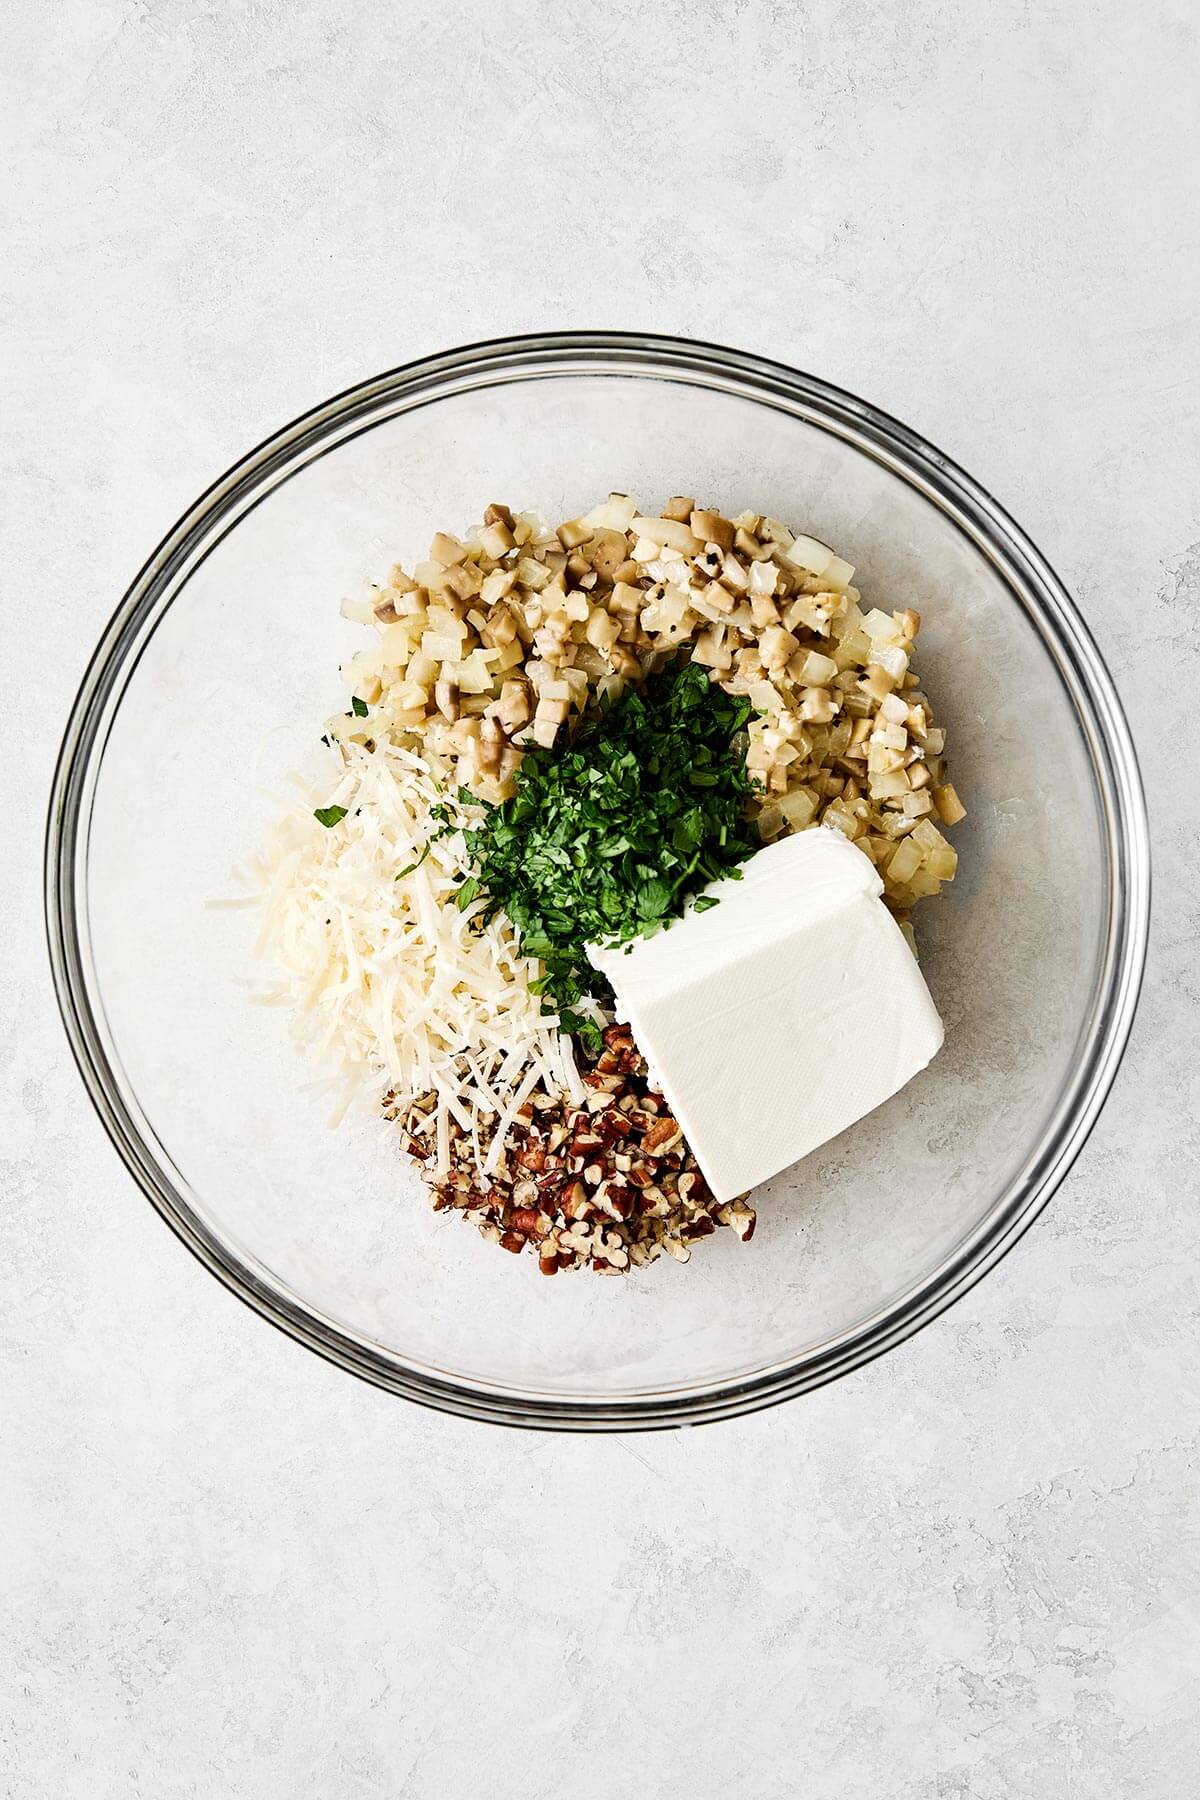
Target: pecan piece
662,1136
575,1201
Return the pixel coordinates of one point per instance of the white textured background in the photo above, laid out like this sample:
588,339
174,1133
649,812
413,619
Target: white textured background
973,1569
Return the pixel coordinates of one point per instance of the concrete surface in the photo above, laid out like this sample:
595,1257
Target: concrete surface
971,1569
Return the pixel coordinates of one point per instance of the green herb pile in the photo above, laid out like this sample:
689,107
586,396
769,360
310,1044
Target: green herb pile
605,840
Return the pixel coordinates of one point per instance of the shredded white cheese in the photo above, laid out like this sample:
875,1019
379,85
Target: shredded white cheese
389,982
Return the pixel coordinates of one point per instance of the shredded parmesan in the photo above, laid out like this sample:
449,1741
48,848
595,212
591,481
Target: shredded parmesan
393,985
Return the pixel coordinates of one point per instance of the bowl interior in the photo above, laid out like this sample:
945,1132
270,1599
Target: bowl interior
226,698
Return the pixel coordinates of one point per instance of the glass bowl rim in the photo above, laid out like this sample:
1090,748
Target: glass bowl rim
1061,632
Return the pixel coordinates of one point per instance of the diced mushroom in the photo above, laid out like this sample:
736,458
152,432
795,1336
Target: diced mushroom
816,706
573,532
624,662
602,630
608,554
549,715
512,708
776,647
491,746
495,641
497,539
711,528
763,611
462,579
445,549
445,694
735,575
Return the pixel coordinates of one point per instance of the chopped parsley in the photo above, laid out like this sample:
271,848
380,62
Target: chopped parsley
607,839
412,867
329,816
440,814
361,709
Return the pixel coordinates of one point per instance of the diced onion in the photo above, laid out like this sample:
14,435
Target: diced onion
811,554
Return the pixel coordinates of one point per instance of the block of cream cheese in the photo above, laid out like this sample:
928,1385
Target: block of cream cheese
780,1016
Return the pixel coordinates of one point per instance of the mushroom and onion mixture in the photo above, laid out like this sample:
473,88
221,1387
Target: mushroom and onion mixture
559,738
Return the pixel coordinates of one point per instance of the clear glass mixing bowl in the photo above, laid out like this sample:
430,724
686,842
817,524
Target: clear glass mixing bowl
210,686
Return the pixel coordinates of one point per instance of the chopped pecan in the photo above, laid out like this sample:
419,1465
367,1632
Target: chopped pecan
610,1184
662,1136
575,1201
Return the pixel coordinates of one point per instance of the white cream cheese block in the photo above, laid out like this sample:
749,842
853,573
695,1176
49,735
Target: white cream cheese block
780,1016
